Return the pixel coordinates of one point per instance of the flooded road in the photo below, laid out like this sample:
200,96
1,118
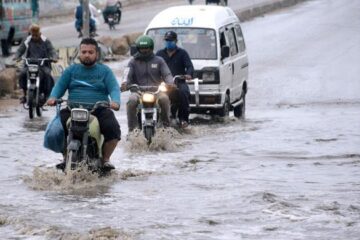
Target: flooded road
290,170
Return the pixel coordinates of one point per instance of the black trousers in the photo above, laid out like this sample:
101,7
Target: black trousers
180,101
109,126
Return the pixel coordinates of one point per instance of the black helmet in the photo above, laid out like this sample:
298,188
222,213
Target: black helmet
170,35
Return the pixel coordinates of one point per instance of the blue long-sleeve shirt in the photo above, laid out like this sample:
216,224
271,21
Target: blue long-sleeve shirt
87,84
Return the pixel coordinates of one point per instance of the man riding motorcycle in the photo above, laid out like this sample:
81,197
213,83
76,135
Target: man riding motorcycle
112,7
37,46
146,69
88,83
179,63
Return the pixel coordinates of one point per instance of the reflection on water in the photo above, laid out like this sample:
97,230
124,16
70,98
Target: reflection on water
35,124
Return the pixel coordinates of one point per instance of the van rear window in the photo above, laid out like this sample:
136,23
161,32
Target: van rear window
200,43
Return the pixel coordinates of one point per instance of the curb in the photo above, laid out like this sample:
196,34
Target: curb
261,9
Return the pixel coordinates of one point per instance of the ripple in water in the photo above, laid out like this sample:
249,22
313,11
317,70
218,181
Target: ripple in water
23,227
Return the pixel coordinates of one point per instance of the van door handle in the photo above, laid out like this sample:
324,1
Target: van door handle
245,65
233,68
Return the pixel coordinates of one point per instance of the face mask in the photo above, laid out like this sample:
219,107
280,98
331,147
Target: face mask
171,45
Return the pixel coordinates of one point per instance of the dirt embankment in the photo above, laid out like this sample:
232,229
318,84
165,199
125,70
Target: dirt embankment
6,104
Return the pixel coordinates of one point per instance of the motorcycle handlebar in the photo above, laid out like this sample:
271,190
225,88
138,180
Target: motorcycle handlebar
39,61
153,89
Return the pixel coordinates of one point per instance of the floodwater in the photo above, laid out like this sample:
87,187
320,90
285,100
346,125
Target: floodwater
290,170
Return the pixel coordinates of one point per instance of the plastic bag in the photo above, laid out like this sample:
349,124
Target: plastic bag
54,137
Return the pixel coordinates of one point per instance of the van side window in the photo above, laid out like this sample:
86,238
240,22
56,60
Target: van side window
222,40
232,42
240,38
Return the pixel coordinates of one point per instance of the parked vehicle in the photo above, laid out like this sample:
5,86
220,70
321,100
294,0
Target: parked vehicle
84,141
218,2
15,19
35,99
148,109
213,38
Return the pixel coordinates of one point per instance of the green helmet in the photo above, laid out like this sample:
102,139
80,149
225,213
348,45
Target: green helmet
144,42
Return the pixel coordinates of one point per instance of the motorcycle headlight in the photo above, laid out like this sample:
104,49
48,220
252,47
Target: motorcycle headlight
33,68
162,88
79,115
148,97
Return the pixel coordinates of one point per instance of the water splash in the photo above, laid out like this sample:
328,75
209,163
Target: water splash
165,139
81,181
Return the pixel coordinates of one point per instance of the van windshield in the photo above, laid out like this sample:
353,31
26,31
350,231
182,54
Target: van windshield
200,43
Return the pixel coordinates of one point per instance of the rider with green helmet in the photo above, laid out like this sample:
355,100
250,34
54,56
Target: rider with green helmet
146,69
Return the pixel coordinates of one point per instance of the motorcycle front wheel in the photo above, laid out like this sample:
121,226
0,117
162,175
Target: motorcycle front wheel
31,103
71,160
149,132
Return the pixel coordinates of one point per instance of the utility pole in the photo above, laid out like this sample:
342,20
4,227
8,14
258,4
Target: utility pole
86,19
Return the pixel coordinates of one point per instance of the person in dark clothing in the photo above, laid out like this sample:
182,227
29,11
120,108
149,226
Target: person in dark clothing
35,8
79,20
112,7
179,63
37,46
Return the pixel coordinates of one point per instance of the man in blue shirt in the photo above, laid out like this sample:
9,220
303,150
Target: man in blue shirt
90,82
179,63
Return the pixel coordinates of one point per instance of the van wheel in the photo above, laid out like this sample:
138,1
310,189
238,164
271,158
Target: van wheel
239,111
224,112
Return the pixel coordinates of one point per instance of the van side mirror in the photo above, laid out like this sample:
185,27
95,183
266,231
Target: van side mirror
133,49
225,52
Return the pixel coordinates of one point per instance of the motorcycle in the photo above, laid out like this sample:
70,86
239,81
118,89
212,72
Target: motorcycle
35,99
148,109
112,15
84,141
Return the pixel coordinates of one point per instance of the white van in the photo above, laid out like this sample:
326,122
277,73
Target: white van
213,38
